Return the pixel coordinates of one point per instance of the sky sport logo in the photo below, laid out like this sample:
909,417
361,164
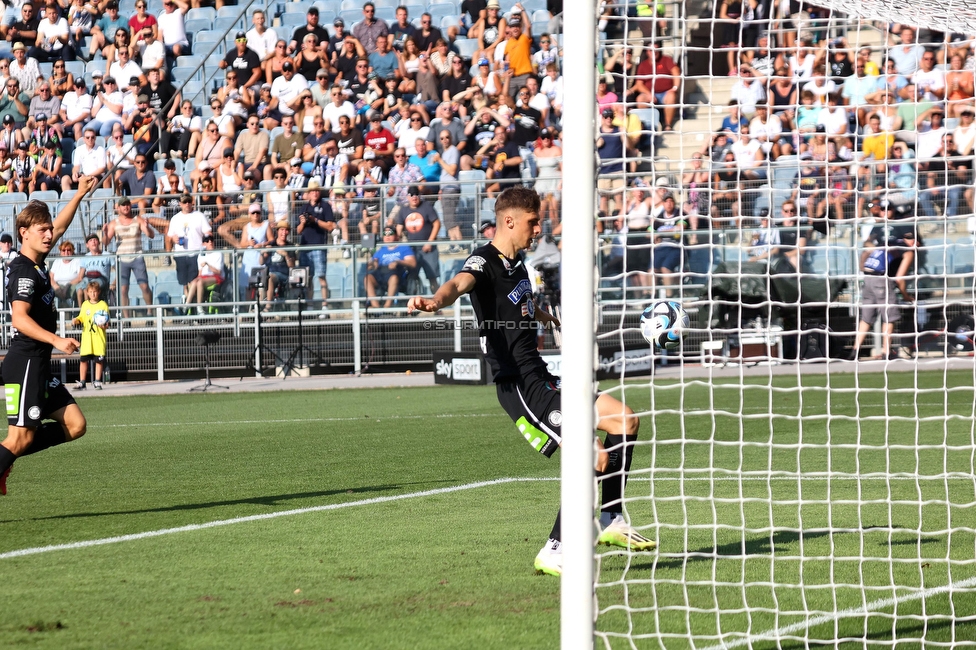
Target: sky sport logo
441,324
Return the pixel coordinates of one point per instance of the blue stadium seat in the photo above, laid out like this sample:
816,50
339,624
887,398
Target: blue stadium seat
292,20
540,18
188,73
77,68
440,9
649,117
350,16
201,13
189,61
386,13
197,25
46,69
466,47
226,24
535,5
962,258
449,21
346,5
192,91
391,4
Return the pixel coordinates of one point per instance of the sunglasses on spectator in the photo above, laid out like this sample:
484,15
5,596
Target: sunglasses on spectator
416,119
212,130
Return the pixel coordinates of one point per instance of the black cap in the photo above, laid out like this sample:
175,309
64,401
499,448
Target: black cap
248,175
413,190
5,238
314,11
134,81
207,238
8,119
50,144
485,225
607,112
240,36
169,164
764,212
389,230
23,146
287,65
545,133
228,151
908,233
338,22
41,117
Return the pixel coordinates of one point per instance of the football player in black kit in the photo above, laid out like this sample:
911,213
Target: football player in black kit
32,394
501,294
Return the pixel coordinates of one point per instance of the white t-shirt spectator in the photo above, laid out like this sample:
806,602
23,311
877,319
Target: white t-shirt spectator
76,105
332,113
745,153
172,27
407,137
286,91
104,113
192,225
834,121
926,82
210,264
122,73
89,160
153,55
553,90
927,141
820,91
748,95
46,30
767,132
64,271
194,123
262,44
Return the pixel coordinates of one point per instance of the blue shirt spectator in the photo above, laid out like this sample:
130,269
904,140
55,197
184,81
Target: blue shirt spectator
425,163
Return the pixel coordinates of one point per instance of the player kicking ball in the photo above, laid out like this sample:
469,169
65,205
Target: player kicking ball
496,277
32,394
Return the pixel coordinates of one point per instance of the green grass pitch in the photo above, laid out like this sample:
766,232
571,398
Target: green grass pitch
453,569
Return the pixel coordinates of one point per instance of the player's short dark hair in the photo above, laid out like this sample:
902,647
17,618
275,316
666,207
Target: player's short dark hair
34,213
518,198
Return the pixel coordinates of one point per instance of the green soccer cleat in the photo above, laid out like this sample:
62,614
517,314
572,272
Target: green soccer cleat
550,559
620,533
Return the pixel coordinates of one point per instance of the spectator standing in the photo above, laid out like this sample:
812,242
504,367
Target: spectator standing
668,228
419,222
315,222
518,47
244,61
504,160
261,39
312,27
93,339
402,175
128,231
448,159
610,148
52,36
287,144
186,231
885,265
388,268
548,184
370,29
172,27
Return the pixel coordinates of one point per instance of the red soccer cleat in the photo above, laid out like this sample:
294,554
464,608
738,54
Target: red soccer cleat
3,482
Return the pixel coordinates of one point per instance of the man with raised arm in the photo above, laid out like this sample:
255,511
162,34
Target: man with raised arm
32,394
501,294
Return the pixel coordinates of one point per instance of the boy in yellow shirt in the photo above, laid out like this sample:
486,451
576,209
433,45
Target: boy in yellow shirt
93,319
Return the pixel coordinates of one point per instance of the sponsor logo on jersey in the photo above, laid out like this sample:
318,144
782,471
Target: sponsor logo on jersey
508,267
474,263
521,289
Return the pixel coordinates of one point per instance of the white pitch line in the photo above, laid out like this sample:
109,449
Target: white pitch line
270,515
882,603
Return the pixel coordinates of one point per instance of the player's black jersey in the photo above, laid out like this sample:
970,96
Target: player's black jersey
503,305
29,282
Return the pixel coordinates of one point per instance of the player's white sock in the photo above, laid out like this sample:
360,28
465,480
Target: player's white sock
606,518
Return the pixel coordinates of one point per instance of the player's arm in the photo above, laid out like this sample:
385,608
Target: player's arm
446,296
906,264
67,214
21,319
546,318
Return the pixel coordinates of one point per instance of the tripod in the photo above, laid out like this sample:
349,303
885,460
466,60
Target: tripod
206,339
298,354
257,281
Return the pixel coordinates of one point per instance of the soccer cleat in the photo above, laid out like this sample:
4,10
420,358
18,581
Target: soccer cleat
620,533
80,386
97,385
3,482
550,559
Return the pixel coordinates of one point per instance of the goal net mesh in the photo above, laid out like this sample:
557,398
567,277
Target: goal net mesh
803,492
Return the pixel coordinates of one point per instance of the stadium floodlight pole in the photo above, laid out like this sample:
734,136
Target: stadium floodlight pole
577,488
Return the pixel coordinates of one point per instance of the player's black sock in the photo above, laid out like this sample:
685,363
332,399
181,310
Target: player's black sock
621,456
557,532
7,459
47,435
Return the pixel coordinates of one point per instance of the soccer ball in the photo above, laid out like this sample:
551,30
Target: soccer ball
101,318
663,324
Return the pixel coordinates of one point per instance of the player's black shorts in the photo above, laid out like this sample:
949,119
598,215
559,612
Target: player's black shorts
533,403
31,393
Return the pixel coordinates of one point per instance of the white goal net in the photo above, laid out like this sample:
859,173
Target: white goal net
800,177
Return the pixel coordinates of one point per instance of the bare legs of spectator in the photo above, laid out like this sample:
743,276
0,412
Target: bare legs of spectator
449,204
550,209
887,329
392,287
123,297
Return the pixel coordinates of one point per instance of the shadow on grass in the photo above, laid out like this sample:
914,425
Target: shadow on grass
269,500
756,546
902,632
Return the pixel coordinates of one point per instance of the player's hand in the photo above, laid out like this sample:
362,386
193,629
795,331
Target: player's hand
68,346
86,183
428,248
419,303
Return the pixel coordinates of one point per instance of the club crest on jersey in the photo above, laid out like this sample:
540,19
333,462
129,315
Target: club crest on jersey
474,263
528,308
34,413
522,288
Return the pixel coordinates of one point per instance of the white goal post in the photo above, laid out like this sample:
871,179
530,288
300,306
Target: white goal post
797,502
